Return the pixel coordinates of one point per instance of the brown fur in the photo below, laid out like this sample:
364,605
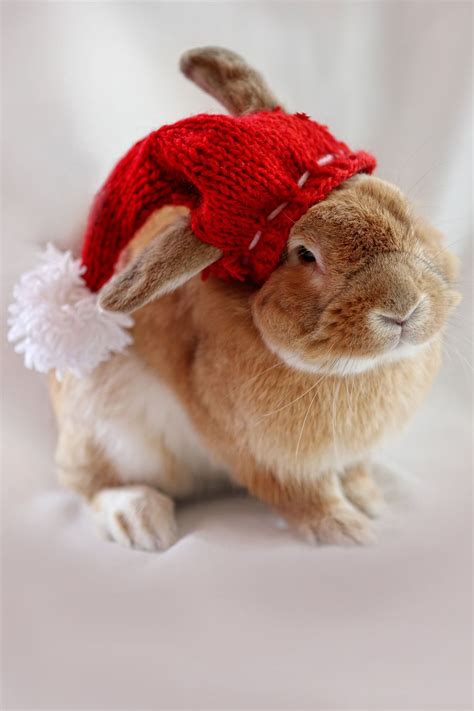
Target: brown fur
156,224
363,230
228,78
266,375
80,463
361,490
168,258
239,392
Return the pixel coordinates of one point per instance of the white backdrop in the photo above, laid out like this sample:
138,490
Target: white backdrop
239,614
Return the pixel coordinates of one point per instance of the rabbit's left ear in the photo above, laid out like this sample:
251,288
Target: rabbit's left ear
168,261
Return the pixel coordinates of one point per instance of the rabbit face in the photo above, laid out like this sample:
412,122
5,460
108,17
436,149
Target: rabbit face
362,282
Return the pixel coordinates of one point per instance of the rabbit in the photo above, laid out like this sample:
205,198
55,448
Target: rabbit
284,390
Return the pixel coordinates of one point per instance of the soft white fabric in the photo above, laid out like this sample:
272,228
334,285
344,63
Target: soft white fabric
55,321
239,613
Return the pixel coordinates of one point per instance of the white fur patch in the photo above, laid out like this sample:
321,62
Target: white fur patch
136,516
133,414
346,365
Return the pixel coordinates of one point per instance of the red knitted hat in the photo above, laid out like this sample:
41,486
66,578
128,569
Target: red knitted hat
246,180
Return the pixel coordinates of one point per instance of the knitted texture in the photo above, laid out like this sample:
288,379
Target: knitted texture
246,181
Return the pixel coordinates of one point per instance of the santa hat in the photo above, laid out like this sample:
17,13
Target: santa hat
245,179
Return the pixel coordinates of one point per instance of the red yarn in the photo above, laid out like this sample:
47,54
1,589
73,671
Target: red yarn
246,180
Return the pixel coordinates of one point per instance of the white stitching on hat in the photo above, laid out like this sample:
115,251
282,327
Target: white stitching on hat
328,158
301,181
255,240
277,211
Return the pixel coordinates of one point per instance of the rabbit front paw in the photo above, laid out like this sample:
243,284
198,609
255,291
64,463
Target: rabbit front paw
362,491
136,516
339,525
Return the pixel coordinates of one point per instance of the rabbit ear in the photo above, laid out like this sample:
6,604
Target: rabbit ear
229,79
169,260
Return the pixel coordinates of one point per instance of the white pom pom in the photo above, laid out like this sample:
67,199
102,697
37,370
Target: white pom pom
55,320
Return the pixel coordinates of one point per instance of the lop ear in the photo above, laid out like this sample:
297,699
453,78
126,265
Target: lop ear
169,260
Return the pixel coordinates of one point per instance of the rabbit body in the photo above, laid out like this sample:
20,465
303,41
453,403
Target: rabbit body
199,402
283,389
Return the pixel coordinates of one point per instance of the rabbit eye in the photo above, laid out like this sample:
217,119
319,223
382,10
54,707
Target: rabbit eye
305,255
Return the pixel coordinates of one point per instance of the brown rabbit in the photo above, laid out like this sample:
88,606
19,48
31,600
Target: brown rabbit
284,389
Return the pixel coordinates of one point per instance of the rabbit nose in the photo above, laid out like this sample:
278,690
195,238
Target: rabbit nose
393,319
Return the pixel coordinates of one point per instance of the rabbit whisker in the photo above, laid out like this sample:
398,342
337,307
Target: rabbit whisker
303,426
262,372
283,407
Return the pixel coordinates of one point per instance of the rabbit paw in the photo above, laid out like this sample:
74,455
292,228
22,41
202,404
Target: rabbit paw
136,516
362,491
343,525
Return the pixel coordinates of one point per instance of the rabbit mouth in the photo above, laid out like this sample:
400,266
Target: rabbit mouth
349,365
354,365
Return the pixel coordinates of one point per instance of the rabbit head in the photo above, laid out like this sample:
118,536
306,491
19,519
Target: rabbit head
362,280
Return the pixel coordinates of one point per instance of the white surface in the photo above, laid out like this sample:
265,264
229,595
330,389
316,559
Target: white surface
238,614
